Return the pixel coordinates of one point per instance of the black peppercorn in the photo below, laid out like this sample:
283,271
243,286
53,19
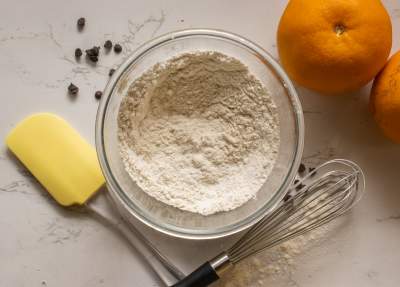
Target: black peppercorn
117,48
93,53
108,45
98,95
81,23
111,72
287,197
72,89
302,168
312,171
78,53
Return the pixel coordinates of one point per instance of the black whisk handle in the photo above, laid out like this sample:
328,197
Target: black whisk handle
201,277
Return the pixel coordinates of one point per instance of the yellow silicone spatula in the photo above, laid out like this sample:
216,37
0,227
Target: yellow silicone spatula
67,166
63,162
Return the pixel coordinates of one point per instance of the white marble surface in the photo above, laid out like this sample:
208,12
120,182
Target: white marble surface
43,245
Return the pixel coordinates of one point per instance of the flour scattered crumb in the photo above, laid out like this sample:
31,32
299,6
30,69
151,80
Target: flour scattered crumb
199,132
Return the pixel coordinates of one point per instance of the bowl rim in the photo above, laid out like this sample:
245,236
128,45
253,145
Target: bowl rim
119,195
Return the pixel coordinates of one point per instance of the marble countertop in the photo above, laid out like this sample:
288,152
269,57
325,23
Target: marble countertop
42,244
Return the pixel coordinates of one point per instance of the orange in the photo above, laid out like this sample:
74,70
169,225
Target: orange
385,99
334,46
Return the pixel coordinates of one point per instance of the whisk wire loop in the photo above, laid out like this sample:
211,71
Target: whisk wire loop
318,202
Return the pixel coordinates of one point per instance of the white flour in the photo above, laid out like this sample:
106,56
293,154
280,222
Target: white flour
199,132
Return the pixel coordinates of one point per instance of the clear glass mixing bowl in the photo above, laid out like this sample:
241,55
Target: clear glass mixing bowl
134,201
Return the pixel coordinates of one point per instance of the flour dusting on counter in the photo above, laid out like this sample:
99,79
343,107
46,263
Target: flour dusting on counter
199,132
277,265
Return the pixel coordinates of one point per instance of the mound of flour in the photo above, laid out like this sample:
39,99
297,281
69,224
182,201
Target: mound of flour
199,132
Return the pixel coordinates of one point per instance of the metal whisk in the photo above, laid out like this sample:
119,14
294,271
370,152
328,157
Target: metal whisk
329,191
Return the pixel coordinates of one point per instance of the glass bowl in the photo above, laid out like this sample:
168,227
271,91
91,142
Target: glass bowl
134,202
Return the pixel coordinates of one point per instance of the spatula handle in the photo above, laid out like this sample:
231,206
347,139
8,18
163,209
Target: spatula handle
102,207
